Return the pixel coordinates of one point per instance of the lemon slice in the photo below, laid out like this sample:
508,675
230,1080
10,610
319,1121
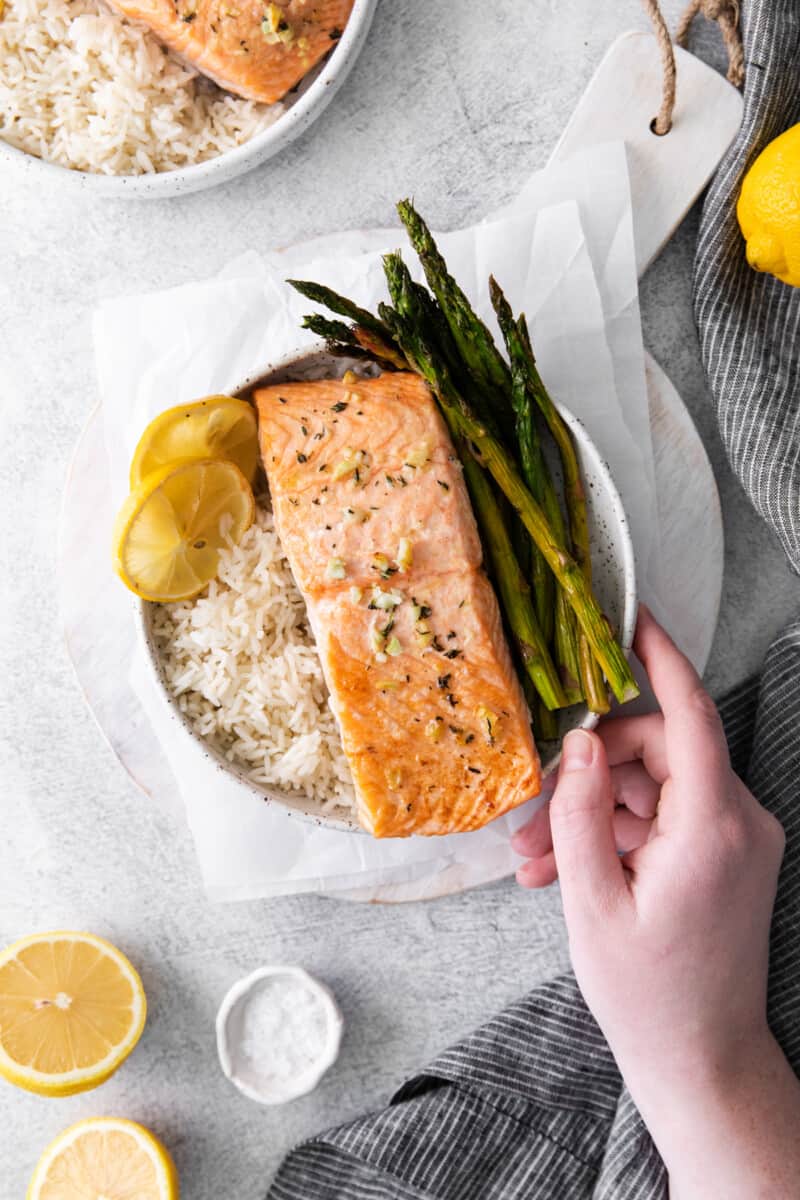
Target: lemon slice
169,531
71,1010
217,427
108,1158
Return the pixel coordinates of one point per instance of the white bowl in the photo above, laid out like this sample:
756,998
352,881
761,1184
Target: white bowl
243,1071
614,581
312,96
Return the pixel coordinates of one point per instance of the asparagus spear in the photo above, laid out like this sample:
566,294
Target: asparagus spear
367,331
520,352
580,670
538,479
566,637
407,330
534,471
363,342
340,339
530,453
331,331
591,674
512,585
483,362
326,297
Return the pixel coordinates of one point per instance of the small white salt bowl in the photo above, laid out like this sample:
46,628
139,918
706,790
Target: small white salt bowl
278,1032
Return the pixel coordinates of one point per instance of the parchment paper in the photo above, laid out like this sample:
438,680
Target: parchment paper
564,252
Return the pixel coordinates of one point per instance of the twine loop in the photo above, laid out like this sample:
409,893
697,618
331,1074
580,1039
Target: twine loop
726,15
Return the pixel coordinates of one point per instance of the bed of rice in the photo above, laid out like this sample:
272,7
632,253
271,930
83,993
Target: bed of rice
82,86
243,665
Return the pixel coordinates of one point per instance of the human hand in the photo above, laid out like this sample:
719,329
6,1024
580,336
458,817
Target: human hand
669,938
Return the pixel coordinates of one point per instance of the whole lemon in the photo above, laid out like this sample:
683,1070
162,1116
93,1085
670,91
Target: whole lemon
769,208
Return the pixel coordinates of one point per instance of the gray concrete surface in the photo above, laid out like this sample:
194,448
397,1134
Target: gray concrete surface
456,103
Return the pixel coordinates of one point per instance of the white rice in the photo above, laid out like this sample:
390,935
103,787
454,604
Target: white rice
242,662
82,86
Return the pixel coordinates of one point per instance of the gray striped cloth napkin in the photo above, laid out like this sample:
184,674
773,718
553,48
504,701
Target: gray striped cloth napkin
532,1104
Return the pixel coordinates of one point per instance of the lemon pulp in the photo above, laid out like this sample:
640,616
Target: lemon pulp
71,1010
169,531
217,427
107,1158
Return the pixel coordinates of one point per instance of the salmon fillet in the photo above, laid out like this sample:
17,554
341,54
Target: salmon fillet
373,514
257,50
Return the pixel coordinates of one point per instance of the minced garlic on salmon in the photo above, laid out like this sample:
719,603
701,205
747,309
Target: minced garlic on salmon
257,50
375,520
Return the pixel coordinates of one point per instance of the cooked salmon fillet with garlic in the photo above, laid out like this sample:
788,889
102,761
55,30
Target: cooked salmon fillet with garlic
259,51
373,514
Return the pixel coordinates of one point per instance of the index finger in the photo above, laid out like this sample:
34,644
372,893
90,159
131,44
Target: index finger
673,678
696,749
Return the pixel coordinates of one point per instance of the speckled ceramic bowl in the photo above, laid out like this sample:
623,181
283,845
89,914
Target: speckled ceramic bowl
614,582
312,96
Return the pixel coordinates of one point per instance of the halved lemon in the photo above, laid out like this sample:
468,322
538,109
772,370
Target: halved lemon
107,1158
217,427
169,531
71,1010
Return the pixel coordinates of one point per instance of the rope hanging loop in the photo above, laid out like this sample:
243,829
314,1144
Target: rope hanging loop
726,15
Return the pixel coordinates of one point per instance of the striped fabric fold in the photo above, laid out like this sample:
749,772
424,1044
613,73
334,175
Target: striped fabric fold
749,323
532,1104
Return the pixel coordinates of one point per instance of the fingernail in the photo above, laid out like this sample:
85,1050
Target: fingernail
578,751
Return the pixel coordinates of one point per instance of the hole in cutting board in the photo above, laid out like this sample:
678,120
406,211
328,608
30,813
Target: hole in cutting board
655,131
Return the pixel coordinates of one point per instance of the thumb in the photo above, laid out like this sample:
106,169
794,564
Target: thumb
581,813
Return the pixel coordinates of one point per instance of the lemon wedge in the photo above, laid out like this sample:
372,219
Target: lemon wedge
217,427
71,1010
105,1157
169,531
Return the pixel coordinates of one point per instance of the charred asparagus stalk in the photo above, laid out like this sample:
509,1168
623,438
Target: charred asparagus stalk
533,470
410,334
591,674
514,591
345,341
523,368
332,331
566,636
327,298
538,479
481,358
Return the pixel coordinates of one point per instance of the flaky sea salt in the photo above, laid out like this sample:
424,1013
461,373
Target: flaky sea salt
284,1029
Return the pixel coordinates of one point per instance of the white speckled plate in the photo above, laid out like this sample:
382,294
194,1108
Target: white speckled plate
302,108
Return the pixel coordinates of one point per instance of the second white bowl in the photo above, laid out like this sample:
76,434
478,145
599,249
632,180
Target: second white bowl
313,96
